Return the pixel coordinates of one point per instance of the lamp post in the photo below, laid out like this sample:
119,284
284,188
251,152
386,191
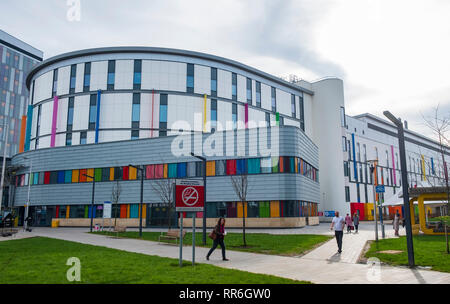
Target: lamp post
401,146
140,169
25,223
92,203
372,171
204,185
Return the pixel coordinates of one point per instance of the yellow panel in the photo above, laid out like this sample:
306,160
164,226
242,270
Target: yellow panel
128,211
90,172
111,174
210,168
67,211
133,173
296,165
274,209
75,174
165,170
144,211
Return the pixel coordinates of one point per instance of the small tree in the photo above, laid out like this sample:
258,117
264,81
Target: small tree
115,197
440,126
165,189
240,186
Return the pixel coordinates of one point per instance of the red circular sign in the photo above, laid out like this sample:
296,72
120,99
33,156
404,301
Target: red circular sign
189,196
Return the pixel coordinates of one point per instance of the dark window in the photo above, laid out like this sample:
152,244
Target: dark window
234,114
68,139
73,73
258,94
136,110
213,115
249,91
137,74
234,86
134,134
55,82
92,111
163,115
70,114
83,136
274,99
38,124
347,194
87,77
214,82
190,78
293,107
268,119
111,74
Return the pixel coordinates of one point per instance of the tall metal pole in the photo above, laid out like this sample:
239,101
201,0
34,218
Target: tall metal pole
372,169
405,186
204,207
28,199
92,203
193,239
4,165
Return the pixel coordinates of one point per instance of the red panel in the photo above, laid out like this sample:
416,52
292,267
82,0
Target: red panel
354,207
82,175
47,177
231,167
281,164
150,171
125,173
57,211
159,171
123,211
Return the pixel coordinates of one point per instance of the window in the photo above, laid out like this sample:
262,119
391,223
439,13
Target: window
38,124
137,74
302,113
134,134
163,115
70,114
83,136
268,119
344,144
293,108
68,139
347,194
234,115
346,169
73,73
274,99
87,77
55,82
234,86
190,78
214,82
111,74
213,115
135,112
249,91
258,94
92,111
343,122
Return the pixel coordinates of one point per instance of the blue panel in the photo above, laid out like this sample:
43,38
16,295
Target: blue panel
181,170
28,132
432,166
60,177
97,122
241,166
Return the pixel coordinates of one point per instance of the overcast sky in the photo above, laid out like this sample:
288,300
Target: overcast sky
392,55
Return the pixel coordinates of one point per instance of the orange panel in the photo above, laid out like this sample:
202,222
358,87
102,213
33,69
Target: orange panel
75,176
23,129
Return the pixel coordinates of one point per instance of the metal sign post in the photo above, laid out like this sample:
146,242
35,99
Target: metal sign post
189,197
380,190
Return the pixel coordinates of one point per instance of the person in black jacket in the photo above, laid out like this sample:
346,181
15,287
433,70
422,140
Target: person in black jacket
220,234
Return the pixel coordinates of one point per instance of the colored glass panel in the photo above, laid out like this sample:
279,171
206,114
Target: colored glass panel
254,166
210,168
150,171
125,174
172,170
98,174
132,173
159,171
274,209
281,164
111,174
47,177
123,211
241,166
61,179
231,167
165,170
83,173
275,163
181,170
75,176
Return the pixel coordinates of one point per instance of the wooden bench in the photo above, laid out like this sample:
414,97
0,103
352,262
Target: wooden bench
172,234
120,228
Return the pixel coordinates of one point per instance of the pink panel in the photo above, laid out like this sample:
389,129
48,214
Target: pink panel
246,115
55,118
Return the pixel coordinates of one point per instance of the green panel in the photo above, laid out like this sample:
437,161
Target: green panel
275,163
98,175
86,212
267,209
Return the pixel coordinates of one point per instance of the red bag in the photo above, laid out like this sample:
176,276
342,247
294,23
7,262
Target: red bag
213,235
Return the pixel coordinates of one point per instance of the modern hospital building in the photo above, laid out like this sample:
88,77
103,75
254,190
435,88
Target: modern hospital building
95,112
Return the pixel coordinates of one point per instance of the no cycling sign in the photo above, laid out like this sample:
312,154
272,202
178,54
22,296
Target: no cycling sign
189,195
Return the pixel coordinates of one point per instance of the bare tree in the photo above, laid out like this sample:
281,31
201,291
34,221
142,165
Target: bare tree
440,126
240,186
115,197
165,189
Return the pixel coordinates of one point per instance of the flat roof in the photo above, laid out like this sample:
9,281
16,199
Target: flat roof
167,51
20,46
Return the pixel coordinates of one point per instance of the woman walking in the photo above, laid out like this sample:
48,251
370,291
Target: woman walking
356,221
396,223
349,223
220,233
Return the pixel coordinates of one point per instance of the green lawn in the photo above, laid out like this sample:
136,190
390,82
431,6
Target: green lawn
429,250
287,244
42,260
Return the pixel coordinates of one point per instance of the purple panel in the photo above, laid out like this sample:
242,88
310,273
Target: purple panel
246,115
55,118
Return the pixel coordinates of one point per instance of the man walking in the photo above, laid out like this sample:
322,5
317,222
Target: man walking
338,223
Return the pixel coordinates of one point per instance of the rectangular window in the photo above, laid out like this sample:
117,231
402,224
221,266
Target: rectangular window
234,115
38,124
293,107
258,94
92,111
87,77
343,122
302,113
55,82
134,134
137,74
347,194
111,74
249,91
70,114
136,110
73,74
234,86
163,115
268,119
190,78
274,99
344,144
346,169
68,139
83,136
213,82
213,115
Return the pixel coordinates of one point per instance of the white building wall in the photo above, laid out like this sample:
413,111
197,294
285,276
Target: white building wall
46,118
124,75
266,97
61,123
241,88
79,80
223,84
81,112
43,87
202,79
224,112
284,102
115,110
63,84
99,75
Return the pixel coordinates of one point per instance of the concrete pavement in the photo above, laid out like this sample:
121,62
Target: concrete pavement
321,265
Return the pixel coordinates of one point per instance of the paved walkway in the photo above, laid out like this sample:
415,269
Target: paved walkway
322,265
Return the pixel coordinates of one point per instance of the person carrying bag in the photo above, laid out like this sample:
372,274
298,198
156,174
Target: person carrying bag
218,234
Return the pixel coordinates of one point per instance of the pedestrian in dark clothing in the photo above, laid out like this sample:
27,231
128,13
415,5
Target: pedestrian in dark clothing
220,233
356,221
